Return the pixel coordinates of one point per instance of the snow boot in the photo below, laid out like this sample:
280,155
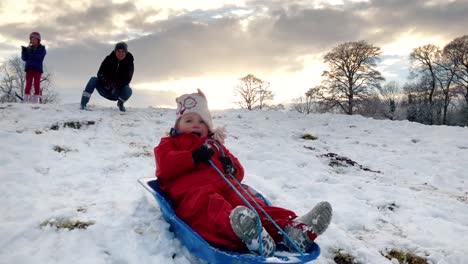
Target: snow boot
303,230
120,105
26,98
84,100
244,224
36,99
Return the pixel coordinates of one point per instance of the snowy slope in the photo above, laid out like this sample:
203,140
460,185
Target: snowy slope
410,193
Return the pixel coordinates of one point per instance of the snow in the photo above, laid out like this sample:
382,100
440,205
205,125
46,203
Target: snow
415,198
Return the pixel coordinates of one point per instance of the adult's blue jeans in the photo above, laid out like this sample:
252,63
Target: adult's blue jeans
123,94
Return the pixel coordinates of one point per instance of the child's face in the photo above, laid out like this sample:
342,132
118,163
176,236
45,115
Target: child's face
192,122
34,41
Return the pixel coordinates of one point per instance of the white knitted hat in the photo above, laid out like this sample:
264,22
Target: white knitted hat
194,103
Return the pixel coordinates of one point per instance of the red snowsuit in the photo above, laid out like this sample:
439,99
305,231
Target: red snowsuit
201,196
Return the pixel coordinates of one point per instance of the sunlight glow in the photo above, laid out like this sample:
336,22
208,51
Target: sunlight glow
405,44
438,2
120,21
220,90
163,15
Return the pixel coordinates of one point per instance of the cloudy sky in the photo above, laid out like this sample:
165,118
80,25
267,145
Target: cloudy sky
183,45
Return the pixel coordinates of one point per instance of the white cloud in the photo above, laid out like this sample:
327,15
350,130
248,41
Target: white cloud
187,5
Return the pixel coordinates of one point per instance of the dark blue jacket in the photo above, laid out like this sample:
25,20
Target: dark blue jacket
33,56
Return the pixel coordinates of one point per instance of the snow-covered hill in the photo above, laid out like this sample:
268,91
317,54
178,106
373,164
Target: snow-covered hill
393,184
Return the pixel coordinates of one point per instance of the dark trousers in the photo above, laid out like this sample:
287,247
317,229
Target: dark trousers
123,94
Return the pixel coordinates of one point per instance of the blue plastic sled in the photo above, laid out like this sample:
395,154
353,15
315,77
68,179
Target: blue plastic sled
200,248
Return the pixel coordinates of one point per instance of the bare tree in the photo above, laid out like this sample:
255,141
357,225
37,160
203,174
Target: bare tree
253,91
299,104
424,63
352,76
438,73
264,95
13,80
49,95
419,109
303,104
457,52
446,77
371,106
7,86
390,93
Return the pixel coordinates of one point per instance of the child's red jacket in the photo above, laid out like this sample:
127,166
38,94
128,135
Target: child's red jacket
201,197
177,172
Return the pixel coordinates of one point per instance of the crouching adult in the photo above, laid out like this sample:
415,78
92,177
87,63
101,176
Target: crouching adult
113,78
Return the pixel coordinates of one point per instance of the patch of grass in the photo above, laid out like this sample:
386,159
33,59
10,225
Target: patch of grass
405,257
82,209
343,258
60,149
63,223
143,154
391,207
341,161
73,124
310,148
309,137
462,198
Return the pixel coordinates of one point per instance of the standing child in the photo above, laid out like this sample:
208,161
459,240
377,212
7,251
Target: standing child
207,203
33,55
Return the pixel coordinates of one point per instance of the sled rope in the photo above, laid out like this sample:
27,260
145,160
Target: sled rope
259,227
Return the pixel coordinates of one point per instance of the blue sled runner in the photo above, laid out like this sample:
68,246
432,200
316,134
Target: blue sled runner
203,250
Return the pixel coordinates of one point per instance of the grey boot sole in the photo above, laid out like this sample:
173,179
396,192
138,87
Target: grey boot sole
318,218
299,237
244,225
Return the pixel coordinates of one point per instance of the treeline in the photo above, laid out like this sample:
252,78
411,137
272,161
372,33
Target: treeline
435,93
13,80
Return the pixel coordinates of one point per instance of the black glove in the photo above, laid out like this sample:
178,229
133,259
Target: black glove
101,77
23,49
228,165
105,83
114,90
202,154
110,87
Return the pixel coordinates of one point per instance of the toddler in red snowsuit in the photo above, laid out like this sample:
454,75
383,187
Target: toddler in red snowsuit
207,203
